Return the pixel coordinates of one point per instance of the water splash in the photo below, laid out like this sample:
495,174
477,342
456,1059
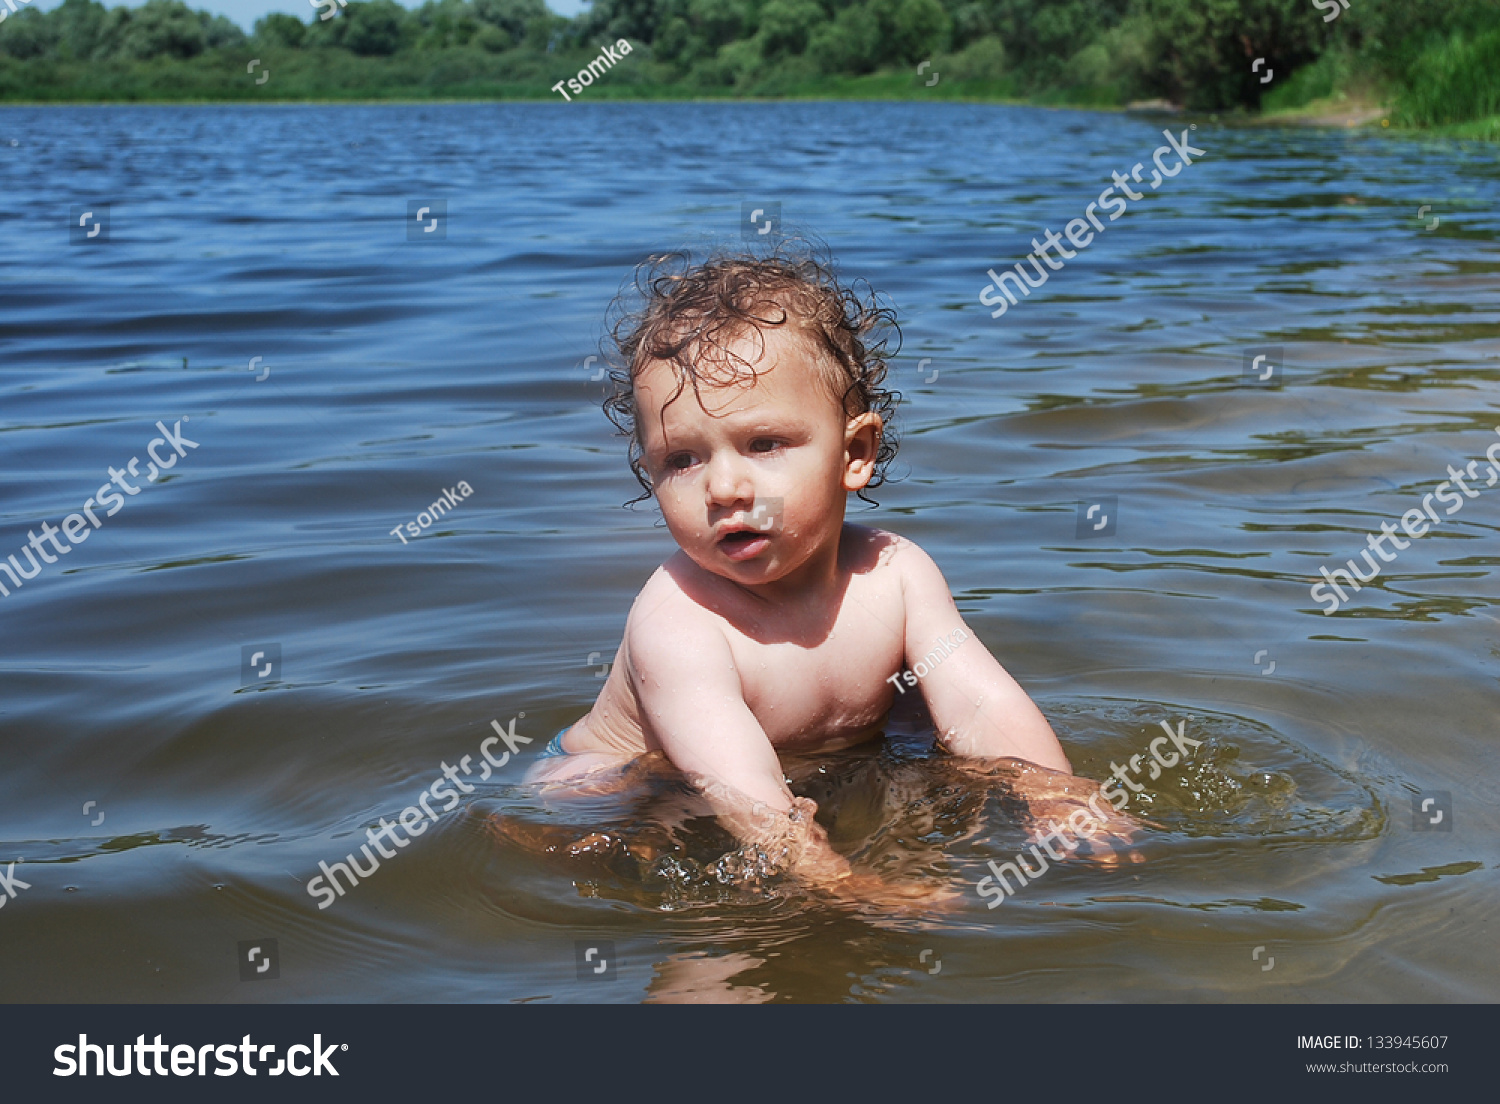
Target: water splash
904,810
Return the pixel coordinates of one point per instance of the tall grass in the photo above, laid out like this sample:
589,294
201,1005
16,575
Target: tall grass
1331,74
1453,82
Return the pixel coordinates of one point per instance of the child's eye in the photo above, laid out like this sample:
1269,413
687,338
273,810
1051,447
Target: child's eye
764,444
679,461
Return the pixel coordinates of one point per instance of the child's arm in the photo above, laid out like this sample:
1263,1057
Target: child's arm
981,712
977,708
689,689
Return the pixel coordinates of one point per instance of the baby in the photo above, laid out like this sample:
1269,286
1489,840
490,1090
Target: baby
751,391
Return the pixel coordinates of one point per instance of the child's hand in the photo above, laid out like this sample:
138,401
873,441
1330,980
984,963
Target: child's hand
870,892
1057,799
798,841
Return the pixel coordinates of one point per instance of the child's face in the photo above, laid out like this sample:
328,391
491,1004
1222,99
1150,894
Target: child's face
782,444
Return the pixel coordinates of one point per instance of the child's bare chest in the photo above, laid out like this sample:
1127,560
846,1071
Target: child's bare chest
826,685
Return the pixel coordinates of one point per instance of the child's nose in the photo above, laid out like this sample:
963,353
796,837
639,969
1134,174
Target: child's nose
729,481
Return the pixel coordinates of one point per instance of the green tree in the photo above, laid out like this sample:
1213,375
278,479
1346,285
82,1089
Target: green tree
676,43
220,33
1041,35
971,22
852,43
545,32
511,16
634,20
922,28
786,24
718,21
446,23
373,29
27,34
1202,50
164,28
80,26
280,29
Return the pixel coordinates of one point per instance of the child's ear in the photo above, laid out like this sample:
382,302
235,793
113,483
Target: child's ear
861,446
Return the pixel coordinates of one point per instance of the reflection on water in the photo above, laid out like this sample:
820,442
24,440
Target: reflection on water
257,280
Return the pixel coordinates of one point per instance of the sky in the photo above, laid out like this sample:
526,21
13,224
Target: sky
246,12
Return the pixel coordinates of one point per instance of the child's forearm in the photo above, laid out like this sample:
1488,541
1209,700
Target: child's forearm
791,838
1022,733
783,828
797,845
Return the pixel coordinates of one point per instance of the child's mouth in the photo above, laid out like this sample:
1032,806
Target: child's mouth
743,544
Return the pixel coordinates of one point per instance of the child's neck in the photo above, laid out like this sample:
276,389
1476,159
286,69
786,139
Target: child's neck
818,581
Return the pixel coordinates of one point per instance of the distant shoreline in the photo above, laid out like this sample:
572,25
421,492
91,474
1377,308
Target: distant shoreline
1353,116
1393,65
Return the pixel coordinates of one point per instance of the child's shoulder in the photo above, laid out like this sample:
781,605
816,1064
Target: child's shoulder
888,558
678,598
867,549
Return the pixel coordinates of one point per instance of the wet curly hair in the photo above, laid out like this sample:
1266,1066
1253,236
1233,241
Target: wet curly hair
687,315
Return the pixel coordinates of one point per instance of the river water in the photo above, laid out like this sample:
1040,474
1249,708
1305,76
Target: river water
263,289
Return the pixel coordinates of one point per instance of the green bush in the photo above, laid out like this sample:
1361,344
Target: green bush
1090,67
1394,34
493,39
711,73
983,60
740,61
1318,81
1454,82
